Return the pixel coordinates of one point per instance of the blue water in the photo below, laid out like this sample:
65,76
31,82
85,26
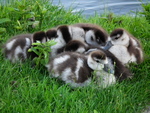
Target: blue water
89,7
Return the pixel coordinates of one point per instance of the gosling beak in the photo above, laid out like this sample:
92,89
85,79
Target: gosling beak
108,45
108,69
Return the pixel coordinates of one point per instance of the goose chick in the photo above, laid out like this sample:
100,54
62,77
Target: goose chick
97,61
66,33
75,69
15,49
51,34
125,47
39,36
76,46
114,66
71,68
94,34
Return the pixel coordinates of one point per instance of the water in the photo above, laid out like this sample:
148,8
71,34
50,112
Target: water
119,7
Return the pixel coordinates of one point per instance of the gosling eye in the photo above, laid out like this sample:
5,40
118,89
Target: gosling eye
97,61
92,38
116,38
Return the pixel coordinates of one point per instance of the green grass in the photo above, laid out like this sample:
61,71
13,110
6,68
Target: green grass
24,88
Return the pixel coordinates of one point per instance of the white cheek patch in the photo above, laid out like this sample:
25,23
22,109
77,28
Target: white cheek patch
10,44
90,62
126,39
123,40
94,65
93,41
88,36
113,38
105,61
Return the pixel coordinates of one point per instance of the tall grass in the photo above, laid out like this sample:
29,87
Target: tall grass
24,88
146,11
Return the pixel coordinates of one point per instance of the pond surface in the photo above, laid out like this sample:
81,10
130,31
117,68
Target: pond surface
89,7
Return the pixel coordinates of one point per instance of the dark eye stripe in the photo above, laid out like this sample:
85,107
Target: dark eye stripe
97,61
92,38
116,38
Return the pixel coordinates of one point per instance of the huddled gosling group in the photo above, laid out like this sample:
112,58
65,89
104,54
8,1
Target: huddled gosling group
83,53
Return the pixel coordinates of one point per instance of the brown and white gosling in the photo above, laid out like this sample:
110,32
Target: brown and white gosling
125,47
62,35
94,34
16,48
76,69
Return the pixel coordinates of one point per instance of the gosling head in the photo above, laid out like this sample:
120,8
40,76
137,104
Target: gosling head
51,34
76,46
96,37
118,37
96,60
39,36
